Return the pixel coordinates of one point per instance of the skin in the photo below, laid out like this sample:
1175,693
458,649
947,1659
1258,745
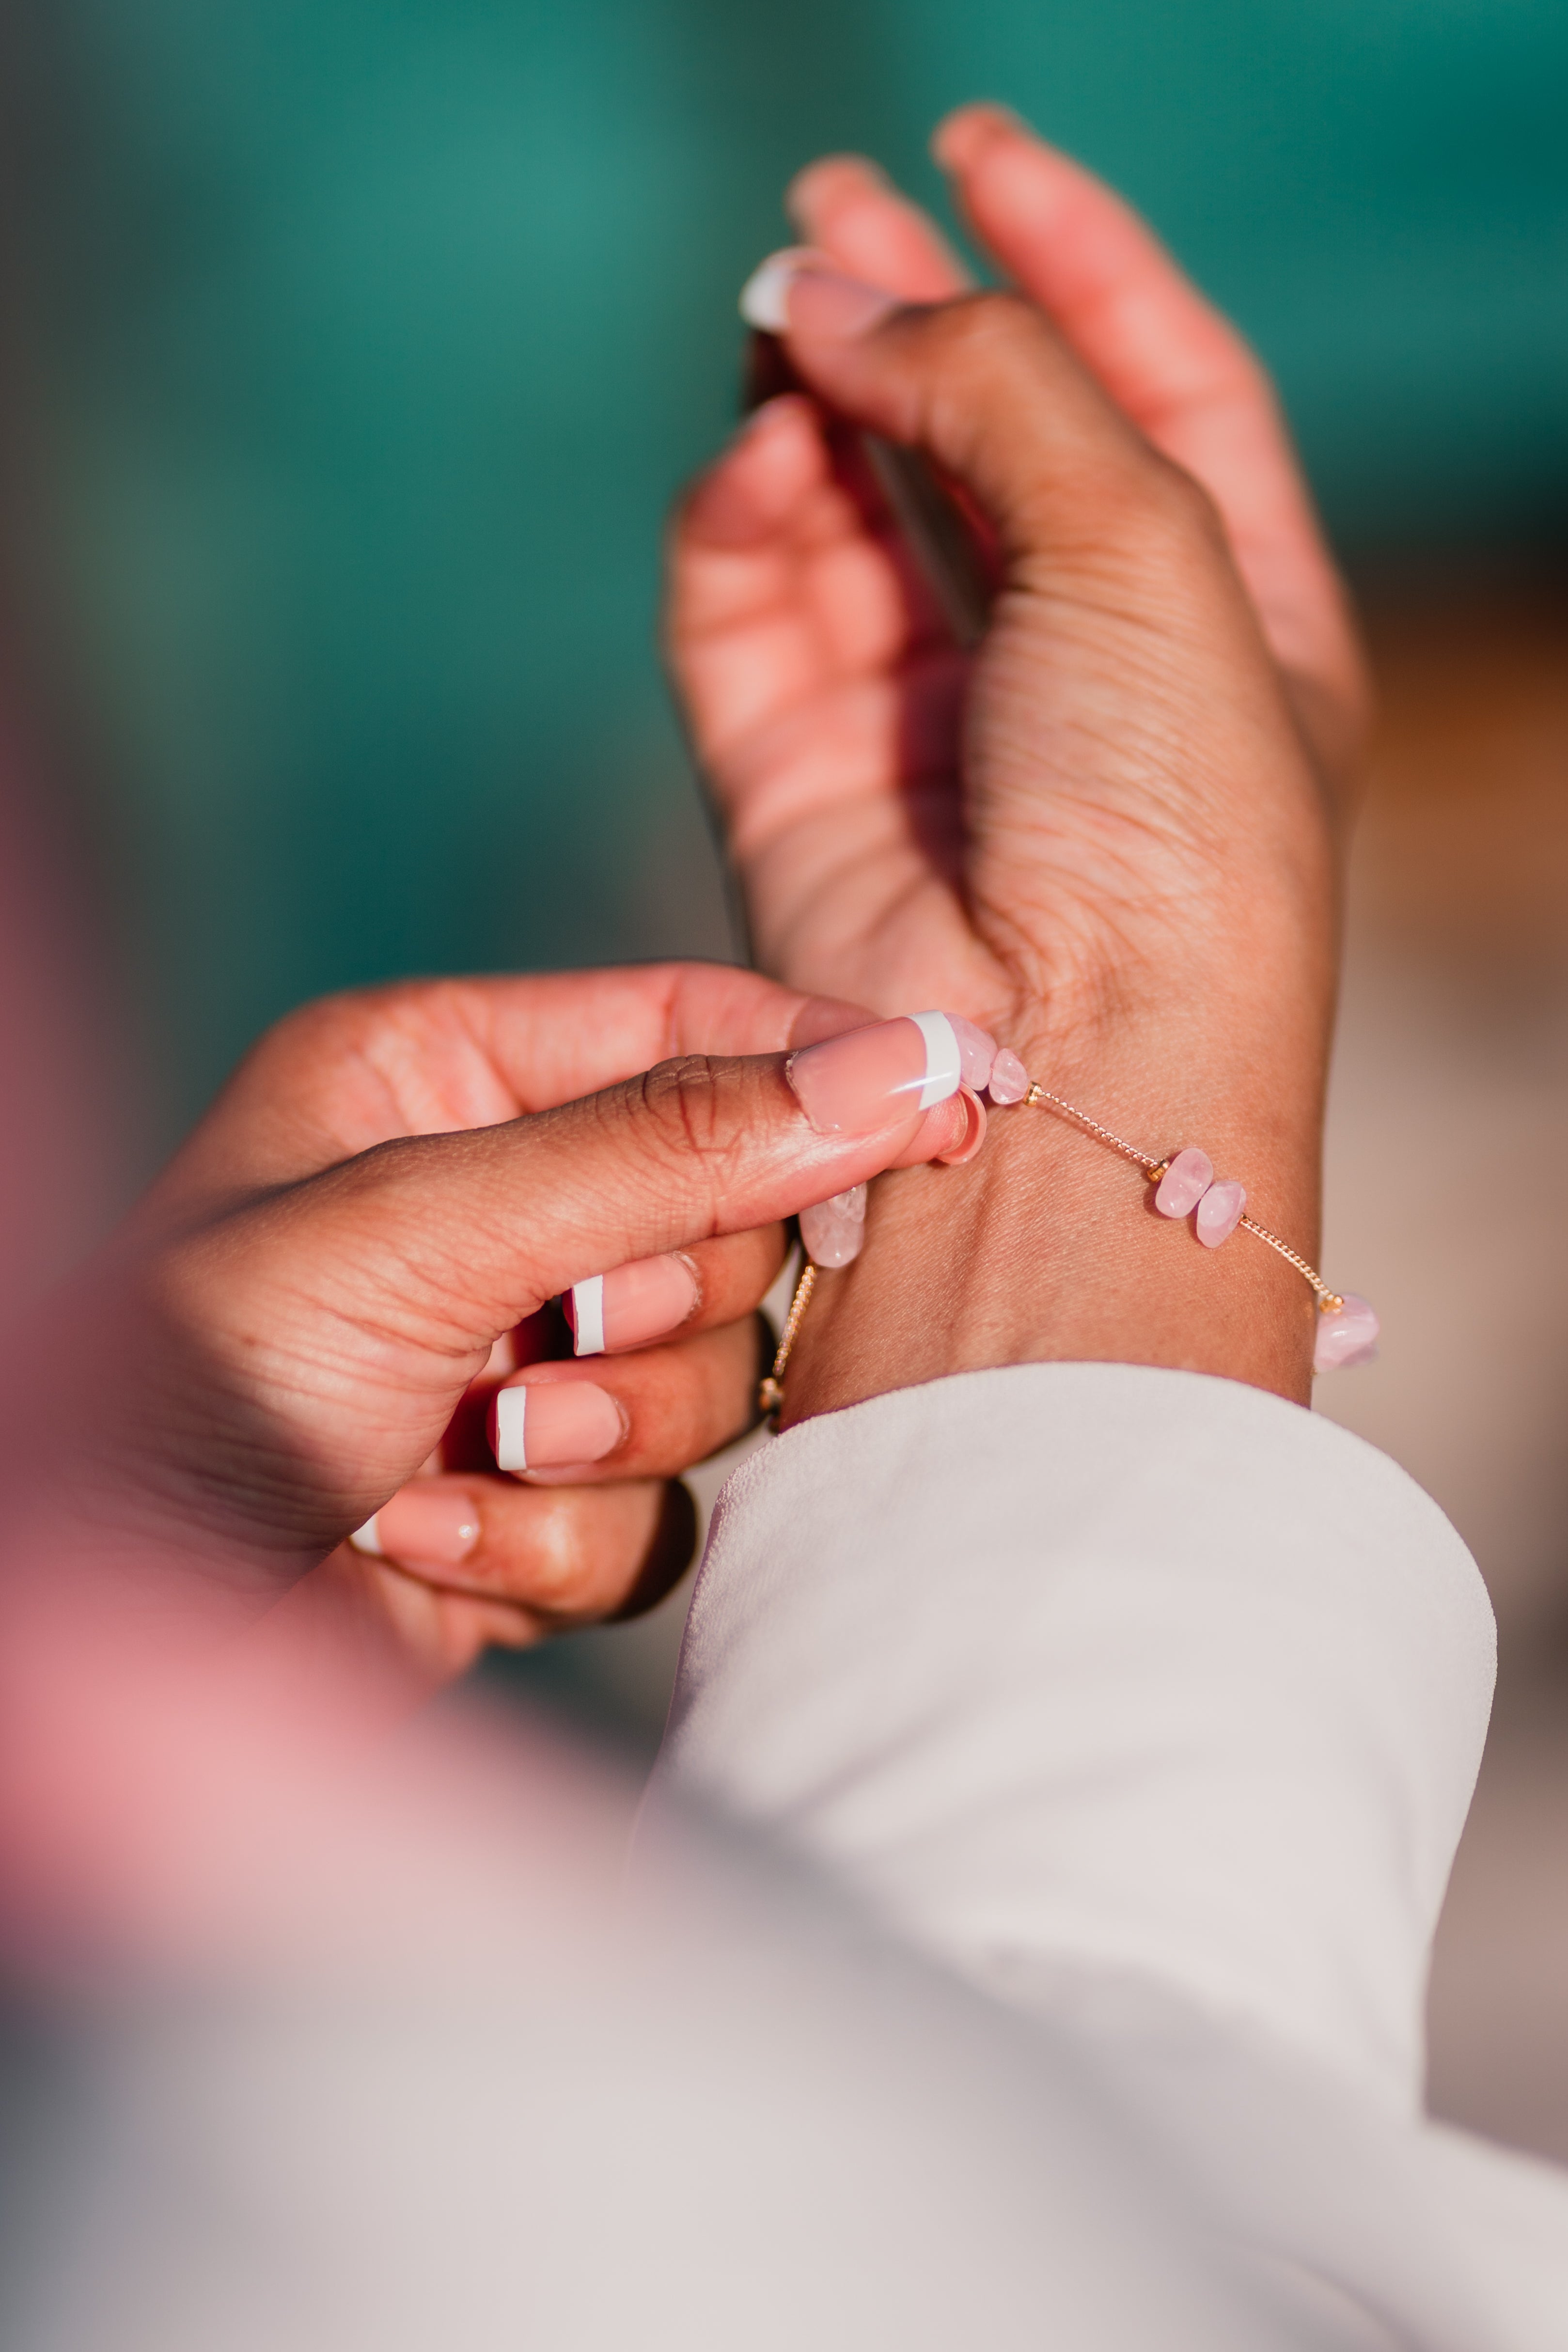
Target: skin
306,1309
1111,834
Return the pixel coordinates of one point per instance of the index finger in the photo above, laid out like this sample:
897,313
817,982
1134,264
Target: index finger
430,1057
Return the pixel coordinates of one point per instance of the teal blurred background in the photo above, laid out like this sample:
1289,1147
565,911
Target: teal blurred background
356,350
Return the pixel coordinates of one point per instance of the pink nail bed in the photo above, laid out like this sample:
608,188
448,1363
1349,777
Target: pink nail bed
631,1305
550,1424
427,1523
868,1079
800,287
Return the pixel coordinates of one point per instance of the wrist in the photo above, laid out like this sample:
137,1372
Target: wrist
1048,1246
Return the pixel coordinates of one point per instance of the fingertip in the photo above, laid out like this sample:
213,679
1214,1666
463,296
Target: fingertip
952,1133
826,1016
756,483
814,188
860,222
960,136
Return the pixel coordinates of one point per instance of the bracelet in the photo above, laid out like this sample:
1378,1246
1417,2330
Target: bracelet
1185,1186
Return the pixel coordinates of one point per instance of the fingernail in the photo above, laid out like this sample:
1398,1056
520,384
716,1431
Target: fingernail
869,1078
798,289
959,139
633,1304
764,297
549,1424
427,1523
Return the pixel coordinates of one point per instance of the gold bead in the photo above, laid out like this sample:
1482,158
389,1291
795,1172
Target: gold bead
769,1395
1160,1168
1329,1303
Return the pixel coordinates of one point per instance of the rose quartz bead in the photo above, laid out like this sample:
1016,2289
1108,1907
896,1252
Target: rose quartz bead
833,1232
978,1051
1009,1081
1184,1184
1219,1212
1347,1335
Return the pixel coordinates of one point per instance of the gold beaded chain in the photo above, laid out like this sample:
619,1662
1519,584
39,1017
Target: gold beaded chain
1329,1301
770,1393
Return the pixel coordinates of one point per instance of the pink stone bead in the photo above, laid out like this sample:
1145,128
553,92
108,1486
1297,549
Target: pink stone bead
1219,1212
978,1051
1009,1080
1347,1336
833,1232
1184,1184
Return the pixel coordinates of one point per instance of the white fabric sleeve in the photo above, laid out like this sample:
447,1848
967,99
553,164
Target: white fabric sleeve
1110,1666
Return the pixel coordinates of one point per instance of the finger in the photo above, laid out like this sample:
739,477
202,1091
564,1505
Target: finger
849,209
370,1620
427,1057
444,1242
650,1414
553,1555
1168,358
785,596
984,385
698,1289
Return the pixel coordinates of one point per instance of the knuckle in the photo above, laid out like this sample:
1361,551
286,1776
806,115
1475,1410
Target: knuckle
684,1114
565,1561
1151,511
987,339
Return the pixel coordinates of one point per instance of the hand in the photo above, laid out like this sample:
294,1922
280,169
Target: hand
307,1309
1111,836
824,696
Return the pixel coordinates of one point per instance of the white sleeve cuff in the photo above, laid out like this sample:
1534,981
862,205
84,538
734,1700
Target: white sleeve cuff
1098,1663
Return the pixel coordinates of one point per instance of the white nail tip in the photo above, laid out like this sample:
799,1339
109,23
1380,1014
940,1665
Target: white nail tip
511,1418
368,1539
588,1317
944,1058
764,297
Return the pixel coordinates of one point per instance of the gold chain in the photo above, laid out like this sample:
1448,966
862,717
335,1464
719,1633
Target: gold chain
1153,1168
769,1391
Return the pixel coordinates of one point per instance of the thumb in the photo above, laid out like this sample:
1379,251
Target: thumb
987,387
482,1227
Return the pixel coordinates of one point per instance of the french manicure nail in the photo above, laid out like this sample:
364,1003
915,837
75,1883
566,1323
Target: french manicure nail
869,1078
427,1523
764,297
798,289
549,1424
632,1305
